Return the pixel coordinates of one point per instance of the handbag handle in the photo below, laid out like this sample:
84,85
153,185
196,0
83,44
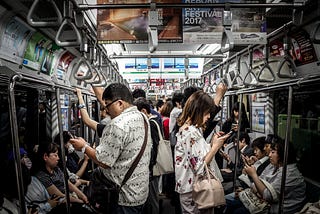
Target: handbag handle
209,172
136,161
159,132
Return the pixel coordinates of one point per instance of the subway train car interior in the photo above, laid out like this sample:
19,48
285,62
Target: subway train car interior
264,54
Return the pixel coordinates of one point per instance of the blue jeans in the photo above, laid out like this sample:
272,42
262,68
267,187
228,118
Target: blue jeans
129,210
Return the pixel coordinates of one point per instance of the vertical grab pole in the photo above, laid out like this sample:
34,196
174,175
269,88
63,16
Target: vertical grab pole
286,150
63,150
237,145
15,141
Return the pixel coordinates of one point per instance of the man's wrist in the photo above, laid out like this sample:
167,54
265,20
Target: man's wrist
81,106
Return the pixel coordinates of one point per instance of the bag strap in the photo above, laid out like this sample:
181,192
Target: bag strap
158,127
136,161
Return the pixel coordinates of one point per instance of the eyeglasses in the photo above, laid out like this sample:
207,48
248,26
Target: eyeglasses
108,105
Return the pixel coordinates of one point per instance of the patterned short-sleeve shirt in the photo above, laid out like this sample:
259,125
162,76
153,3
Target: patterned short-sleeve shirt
120,144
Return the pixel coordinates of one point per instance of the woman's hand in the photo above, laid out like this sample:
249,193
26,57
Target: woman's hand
250,170
218,139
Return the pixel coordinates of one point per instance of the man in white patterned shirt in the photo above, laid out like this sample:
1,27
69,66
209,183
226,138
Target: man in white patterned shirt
120,144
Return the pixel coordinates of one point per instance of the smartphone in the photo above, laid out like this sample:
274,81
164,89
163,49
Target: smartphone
245,160
221,152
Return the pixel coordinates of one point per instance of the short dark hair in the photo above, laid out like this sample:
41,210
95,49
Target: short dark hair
279,145
66,137
117,91
187,92
245,136
177,97
142,103
159,104
138,92
259,143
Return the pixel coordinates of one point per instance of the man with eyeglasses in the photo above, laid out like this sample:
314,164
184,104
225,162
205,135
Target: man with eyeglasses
120,144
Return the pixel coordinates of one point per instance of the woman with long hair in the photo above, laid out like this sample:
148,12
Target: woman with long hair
191,151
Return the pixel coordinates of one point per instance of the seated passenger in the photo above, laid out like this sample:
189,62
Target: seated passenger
52,177
244,150
74,164
260,162
295,187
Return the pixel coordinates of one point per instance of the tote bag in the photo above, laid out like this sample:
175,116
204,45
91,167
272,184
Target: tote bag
253,203
207,190
164,162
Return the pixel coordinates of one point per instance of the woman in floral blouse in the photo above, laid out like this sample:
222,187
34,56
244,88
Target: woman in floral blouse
191,151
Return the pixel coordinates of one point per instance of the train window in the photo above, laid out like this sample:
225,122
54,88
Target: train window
305,125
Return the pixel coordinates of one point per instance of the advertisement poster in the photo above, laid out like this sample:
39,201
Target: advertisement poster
14,40
130,25
205,25
48,61
301,48
64,117
168,68
35,51
63,65
258,117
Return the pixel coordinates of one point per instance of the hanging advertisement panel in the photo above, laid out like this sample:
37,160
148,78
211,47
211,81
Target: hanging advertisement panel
50,56
63,65
130,25
35,51
167,68
14,39
205,25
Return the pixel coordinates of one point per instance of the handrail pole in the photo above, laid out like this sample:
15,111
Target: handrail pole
286,150
15,140
66,187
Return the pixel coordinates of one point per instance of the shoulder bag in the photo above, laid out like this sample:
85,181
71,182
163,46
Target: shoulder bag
102,193
164,162
255,204
207,190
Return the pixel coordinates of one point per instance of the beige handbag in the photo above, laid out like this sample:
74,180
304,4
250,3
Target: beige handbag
207,190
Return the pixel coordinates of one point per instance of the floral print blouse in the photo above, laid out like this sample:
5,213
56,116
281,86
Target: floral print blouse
190,151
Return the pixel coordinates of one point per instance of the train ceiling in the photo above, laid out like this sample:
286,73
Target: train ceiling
276,17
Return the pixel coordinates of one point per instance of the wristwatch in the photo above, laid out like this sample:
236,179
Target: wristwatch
80,106
83,149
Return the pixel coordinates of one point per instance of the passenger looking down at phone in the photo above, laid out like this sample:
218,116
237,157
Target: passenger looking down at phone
192,151
244,150
152,203
260,160
294,186
119,146
52,177
232,123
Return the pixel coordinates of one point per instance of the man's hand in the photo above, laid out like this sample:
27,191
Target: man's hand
78,143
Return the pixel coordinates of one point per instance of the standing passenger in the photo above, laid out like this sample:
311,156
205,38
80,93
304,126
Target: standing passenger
120,144
152,204
191,151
